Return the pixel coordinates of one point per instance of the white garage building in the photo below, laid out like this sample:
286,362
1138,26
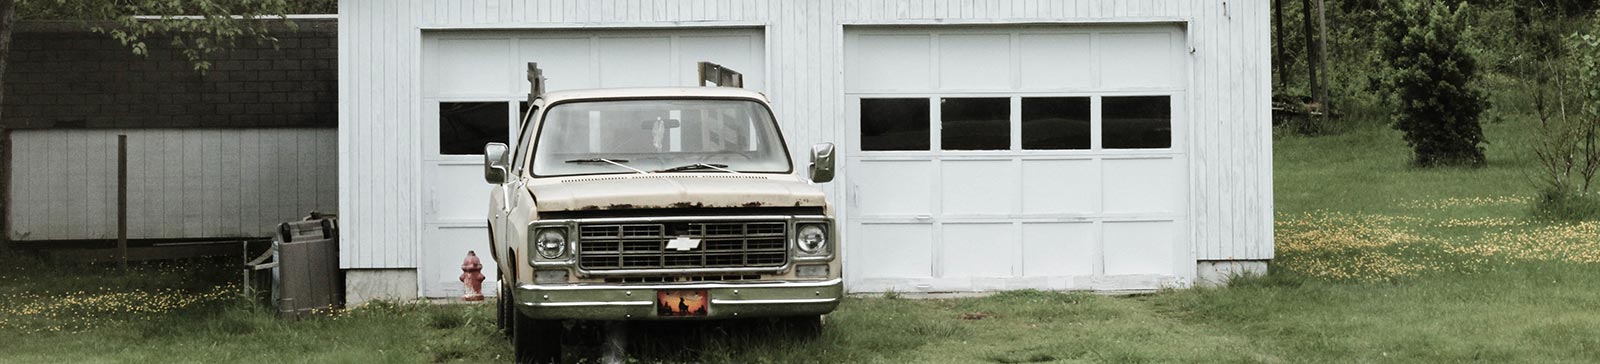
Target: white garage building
987,144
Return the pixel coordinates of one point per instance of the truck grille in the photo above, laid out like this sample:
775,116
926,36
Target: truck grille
760,244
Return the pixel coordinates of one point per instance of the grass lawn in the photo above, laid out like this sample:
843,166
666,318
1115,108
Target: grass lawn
1377,262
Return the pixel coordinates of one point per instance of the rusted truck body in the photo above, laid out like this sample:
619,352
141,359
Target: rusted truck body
657,204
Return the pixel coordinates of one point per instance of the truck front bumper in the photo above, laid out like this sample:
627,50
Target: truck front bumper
637,301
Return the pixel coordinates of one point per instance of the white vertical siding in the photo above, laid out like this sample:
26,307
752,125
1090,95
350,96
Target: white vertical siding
380,43
191,183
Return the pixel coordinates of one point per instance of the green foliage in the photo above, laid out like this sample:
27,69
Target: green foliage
1429,77
1568,144
198,28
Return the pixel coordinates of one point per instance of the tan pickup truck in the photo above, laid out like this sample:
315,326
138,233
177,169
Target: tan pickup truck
657,204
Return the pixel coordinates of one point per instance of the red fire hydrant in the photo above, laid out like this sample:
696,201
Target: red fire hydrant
472,275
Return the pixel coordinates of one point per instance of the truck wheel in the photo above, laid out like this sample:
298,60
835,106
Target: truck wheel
803,327
535,341
503,308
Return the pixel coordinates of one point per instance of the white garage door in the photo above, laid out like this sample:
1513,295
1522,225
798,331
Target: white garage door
1017,157
473,85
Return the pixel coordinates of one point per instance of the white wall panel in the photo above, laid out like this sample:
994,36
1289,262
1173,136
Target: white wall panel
190,183
1226,79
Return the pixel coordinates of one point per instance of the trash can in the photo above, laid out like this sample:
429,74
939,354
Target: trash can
307,279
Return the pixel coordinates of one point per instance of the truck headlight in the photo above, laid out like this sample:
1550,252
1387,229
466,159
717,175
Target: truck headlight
551,243
812,238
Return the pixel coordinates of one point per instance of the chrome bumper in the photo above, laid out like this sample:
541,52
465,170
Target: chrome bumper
637,301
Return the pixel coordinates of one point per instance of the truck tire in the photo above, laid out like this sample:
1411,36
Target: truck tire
535,341
503,309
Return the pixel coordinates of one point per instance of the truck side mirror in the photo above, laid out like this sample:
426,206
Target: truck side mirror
494,162
822,162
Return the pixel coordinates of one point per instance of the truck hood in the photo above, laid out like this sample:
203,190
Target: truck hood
674,190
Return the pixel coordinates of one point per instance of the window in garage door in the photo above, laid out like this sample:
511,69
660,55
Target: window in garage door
464,127
1046,123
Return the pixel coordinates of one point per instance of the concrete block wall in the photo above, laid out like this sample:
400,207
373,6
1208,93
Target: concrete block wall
62,76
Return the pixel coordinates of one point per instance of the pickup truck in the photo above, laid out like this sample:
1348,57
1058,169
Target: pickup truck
657,204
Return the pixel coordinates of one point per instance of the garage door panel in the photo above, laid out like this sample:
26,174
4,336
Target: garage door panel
1130,60
459,193
975,62
1087,187
449,244
732,51
979,250
567,63
978,187
1055,61
1060,186
893,187
1142,185
1139,247
892,251
898,62
1058,249
627,62
470,66
480,67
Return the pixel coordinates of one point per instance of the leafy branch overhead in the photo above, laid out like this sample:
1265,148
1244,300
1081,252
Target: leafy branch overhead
198,28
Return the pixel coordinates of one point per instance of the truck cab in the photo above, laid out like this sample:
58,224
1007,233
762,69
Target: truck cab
657,204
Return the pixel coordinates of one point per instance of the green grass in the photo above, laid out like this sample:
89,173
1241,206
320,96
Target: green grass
1378,262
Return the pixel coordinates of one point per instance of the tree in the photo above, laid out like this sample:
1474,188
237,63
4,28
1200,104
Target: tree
1567,138
198,27
1429,76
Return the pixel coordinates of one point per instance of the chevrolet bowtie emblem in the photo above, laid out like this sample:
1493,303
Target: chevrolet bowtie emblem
683,243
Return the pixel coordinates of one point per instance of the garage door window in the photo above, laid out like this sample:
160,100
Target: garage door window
895,124
1055,123
1138,122
464,127
975,123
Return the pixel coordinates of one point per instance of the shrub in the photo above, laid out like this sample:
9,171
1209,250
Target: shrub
1568,134
1429,77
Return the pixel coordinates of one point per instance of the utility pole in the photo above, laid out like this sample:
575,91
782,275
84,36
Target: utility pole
1277,32
1311,48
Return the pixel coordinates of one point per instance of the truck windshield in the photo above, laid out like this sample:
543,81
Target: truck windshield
635,136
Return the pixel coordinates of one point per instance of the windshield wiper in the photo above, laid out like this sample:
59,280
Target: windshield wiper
597,160
614,162
720,167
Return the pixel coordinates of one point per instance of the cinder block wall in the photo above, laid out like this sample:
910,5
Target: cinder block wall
63,76
226,153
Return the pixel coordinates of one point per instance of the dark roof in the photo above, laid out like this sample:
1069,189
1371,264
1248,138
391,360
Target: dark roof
61,75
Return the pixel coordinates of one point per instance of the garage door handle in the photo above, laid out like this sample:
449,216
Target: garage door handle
924,217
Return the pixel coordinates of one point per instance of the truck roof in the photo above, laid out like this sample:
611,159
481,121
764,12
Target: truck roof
613,93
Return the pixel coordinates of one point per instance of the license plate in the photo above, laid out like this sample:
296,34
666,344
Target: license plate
692,303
